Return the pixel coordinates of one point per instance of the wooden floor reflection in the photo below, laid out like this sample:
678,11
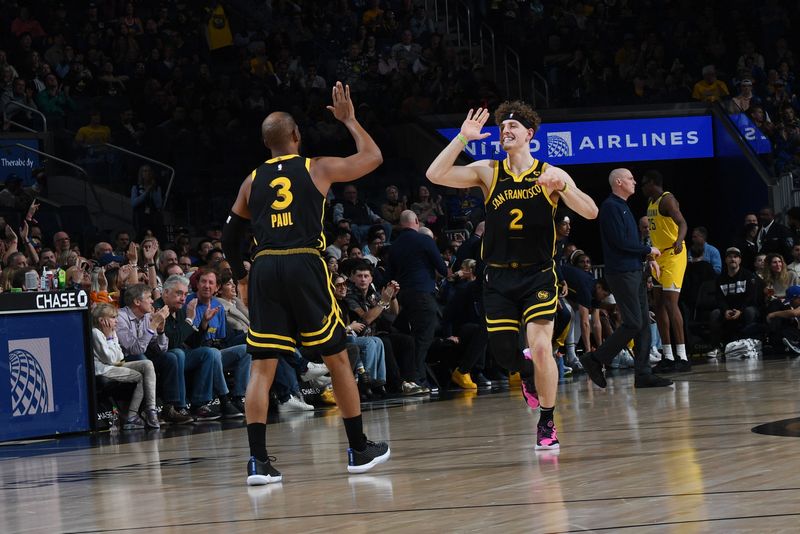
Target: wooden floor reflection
663,460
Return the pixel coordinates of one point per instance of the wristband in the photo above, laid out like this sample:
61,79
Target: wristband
461,138
190,322
564,189
151,264
384,305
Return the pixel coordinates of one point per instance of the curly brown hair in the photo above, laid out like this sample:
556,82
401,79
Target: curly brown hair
520,108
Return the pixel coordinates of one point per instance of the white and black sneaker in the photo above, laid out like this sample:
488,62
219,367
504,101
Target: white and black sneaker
262,473
372,455
792,346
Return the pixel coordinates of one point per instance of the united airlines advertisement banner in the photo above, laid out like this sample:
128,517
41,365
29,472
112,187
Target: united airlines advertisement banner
574,143
43,369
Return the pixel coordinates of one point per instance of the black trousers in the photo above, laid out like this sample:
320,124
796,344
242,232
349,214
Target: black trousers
421,312
473,339
630,292
399,351
723,331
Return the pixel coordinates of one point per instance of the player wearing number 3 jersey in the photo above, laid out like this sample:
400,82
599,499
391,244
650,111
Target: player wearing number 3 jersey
291,298
521,196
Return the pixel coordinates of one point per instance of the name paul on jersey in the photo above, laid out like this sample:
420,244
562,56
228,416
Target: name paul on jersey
516,194
279,220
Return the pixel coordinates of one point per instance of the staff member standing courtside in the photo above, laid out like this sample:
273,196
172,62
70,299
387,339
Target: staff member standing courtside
291,297
624,253
414,261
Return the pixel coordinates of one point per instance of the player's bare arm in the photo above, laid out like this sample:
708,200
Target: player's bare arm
240,205
669,206
328,170
561,184
443,171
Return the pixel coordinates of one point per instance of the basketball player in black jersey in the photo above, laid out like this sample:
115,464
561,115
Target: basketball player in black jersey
521,194
291,297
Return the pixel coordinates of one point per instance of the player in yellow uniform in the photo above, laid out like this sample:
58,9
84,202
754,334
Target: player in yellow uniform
667,233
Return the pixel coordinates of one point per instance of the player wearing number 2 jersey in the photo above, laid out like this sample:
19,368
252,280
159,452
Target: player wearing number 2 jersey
521,195
291,297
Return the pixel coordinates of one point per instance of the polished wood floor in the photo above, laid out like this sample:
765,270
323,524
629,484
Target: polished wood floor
684,459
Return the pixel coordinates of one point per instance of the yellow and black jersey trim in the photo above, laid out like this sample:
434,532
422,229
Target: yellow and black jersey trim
332,320
494,182
271,341
500,325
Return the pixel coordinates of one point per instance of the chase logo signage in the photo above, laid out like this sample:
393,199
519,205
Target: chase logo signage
572,143
31,376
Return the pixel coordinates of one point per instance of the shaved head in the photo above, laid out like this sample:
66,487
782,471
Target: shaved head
277,129
617,174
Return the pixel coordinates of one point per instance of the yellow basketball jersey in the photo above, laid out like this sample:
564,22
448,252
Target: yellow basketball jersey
663,230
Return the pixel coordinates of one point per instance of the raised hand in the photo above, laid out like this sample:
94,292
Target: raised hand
191,310
342,107
32,211
102,281
149,250
133,253
210,313
471,128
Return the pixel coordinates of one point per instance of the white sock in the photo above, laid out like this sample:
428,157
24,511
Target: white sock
570,351
668,352
680,350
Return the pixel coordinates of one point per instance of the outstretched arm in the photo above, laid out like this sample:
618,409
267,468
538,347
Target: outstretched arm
443,170
328,170
669,206
559,183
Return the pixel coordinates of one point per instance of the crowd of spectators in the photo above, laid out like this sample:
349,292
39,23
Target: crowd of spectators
188,84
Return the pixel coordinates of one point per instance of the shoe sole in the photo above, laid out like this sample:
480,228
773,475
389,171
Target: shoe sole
206,419
263,480
375,461
553,447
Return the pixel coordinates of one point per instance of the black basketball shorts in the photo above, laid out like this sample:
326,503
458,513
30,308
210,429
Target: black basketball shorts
292,305
515,297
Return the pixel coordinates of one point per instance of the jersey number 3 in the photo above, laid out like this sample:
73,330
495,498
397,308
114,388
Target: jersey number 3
284,193
517,217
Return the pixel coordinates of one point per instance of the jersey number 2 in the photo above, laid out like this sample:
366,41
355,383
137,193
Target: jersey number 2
284,193
517,217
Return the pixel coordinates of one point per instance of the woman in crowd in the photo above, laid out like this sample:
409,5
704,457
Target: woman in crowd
777,278
109,362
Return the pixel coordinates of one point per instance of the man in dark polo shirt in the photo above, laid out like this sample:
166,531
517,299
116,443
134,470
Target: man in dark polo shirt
414,261
624,253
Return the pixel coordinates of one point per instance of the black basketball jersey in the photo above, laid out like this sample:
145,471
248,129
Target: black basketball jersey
286,207
520,226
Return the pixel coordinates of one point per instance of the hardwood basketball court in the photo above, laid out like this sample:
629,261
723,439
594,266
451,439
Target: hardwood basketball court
684,459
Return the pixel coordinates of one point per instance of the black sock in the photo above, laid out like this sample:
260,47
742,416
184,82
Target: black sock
355,432
257,437
545,414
